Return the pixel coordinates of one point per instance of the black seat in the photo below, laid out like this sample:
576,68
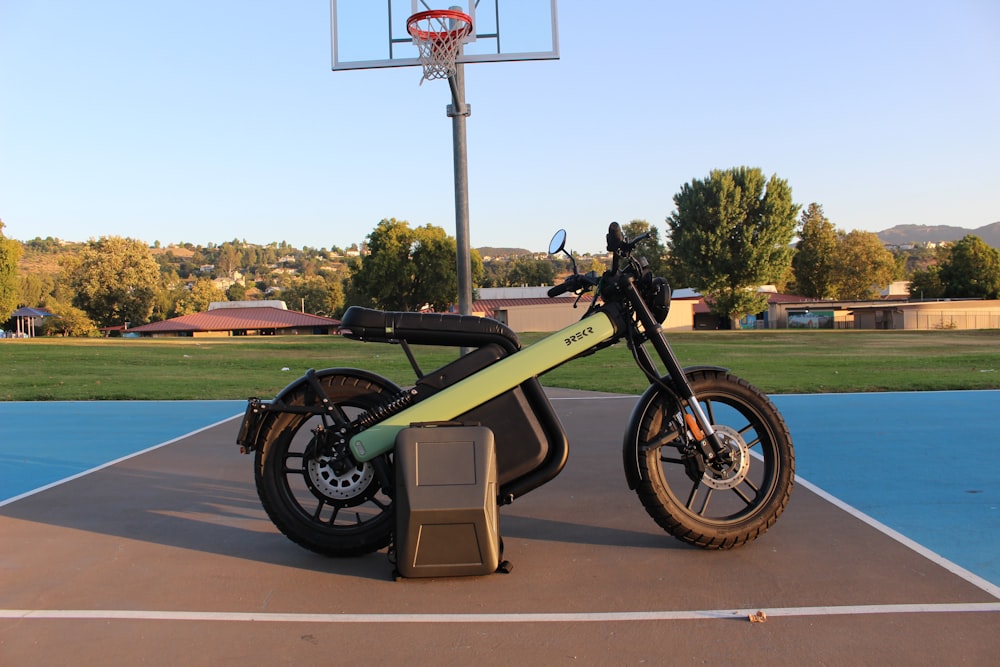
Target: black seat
426,328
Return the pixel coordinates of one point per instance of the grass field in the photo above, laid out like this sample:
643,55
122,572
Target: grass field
45,369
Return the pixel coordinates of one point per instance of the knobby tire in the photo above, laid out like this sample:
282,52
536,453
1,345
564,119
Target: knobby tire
701,510
332,512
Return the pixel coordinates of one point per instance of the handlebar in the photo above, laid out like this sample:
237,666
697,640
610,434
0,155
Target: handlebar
558,289
618,246
574,283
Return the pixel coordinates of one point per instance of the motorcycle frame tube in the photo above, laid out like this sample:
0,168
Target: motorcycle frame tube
492,381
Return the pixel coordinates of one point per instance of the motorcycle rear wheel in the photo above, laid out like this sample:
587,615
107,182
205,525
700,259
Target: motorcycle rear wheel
714,507
335,509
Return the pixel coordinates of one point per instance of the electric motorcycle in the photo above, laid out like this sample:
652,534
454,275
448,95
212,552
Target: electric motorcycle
709,455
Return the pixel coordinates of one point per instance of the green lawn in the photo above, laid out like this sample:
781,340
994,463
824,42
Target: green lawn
236,368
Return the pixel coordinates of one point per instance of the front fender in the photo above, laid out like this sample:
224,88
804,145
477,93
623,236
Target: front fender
630,450
257,410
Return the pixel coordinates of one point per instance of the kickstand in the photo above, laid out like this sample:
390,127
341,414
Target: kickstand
505,566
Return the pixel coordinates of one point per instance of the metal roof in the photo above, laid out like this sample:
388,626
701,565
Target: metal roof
229,319
490,306
31,312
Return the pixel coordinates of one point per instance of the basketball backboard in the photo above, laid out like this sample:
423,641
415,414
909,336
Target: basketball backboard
372,33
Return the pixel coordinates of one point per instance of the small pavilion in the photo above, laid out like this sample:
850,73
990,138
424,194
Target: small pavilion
25,320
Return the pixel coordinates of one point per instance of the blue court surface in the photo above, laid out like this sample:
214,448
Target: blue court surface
921,463
42,443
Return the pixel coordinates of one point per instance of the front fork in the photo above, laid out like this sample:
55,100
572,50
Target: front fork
697,421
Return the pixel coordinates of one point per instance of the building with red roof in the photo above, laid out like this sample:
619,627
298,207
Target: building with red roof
240,318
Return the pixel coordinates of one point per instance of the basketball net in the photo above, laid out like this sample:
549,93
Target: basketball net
438,35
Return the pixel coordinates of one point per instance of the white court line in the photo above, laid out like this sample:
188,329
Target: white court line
78,475
556,617
932,556
936,558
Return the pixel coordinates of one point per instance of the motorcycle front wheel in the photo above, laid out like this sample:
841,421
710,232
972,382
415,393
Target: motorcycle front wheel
720,505
321,498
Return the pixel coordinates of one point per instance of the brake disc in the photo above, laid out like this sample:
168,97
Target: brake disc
732,474
339,486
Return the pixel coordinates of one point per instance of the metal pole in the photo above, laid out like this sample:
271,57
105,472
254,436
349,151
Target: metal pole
458,111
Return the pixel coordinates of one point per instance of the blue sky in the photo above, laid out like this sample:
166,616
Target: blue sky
212,120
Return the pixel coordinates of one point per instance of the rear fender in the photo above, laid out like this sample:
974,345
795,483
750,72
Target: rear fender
258,410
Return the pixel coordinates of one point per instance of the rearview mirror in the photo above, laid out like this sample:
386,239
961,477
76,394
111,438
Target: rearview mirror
558,242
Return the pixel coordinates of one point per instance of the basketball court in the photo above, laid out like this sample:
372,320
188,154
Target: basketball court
167,556
132,533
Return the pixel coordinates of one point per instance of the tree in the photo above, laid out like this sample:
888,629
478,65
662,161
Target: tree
435,276
526,270
236,292
496,273
730,234
926,283
383,278
10,253
518,271
34,288
116,281
972,270
197,300
861,266
408,268
315,294
68,321
815,255
229,259
651,249
588,263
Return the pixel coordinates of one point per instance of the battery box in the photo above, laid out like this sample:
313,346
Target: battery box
447,521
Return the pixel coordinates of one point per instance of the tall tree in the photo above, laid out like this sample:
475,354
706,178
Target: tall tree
407,268
862,266
815,255
10,253
115,280
383,278
972,270
730,233
229,259
435,278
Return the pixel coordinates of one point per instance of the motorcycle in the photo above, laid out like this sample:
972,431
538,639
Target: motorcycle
709,455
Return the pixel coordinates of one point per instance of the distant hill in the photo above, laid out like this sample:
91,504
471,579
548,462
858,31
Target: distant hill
175,250
901,234
488,251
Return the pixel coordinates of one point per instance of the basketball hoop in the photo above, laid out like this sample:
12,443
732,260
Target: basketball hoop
439,35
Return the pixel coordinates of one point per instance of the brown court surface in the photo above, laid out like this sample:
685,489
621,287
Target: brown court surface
167,558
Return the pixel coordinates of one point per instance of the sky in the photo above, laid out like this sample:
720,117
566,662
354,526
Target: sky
206,121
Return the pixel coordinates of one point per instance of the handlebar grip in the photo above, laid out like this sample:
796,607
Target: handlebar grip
615,238
558,289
